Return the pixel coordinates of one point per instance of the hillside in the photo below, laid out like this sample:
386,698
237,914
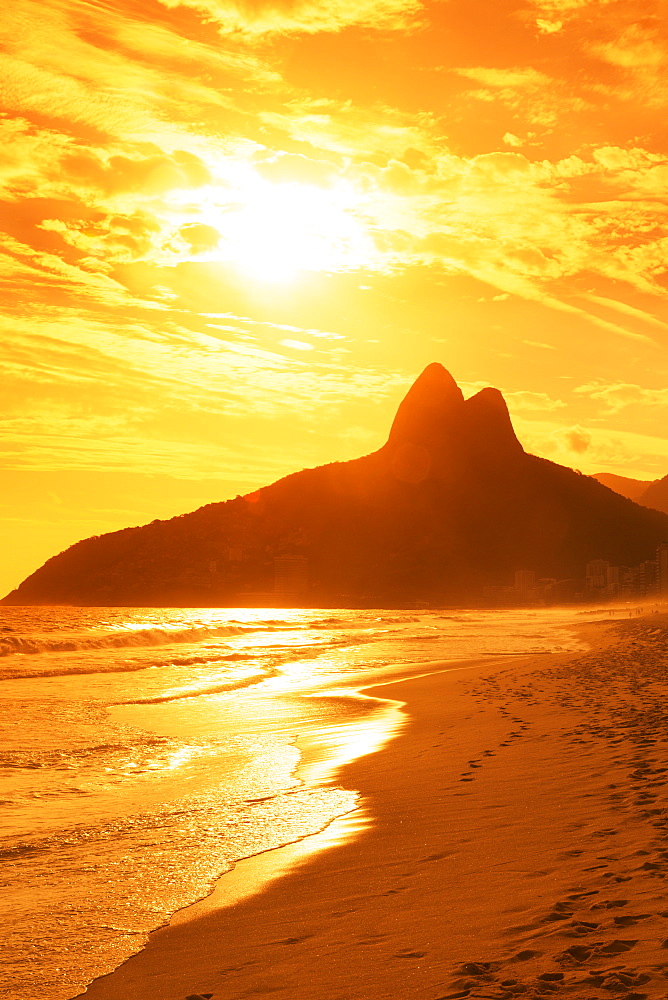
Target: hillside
626,487
449,505
656,495
651,493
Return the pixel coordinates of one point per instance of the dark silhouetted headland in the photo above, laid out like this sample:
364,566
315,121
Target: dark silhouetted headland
449,507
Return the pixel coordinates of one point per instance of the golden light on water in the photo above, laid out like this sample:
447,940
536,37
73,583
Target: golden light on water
338,745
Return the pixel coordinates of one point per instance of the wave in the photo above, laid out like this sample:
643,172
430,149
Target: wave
20,672
11,644
231,685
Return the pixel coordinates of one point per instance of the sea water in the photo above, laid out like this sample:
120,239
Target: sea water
144,751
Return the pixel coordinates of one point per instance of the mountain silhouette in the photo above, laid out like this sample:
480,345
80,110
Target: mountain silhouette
626,487
651,493
450,505
656,495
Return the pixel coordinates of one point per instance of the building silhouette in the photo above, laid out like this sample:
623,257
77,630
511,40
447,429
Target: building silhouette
662,568
596,574
290,576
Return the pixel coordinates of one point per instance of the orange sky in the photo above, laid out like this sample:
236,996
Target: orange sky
234,232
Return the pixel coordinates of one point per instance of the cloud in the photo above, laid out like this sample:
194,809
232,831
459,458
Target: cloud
526,226
578,440
154,174
297,345
199,237
618,396
608,448
294,167
109,238
97,72
574,439
499,216
506,78
546,27
566,8
521,94
306,16
626,309
27,271
539,401
640,46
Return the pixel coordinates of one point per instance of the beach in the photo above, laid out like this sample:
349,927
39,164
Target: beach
509,841
147,752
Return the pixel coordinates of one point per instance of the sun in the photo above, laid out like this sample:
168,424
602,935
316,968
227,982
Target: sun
272,232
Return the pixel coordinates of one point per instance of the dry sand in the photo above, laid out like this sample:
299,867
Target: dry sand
514,845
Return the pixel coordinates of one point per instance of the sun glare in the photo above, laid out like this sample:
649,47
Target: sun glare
274,231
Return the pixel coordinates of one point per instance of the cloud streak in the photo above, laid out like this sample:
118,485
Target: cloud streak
259,17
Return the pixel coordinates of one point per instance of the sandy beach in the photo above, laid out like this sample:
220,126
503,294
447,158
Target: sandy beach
510,842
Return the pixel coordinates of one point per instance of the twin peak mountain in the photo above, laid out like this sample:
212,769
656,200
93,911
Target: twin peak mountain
450,506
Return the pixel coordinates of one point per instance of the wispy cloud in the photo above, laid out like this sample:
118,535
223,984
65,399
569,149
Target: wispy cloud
533,401
310,16
620,395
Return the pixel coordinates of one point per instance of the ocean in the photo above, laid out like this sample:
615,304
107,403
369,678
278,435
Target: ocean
146,750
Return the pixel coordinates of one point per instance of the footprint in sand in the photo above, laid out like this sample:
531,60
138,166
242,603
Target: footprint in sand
578,928
577,954
618,981
609,904
483,971
560,911
631,919
616,947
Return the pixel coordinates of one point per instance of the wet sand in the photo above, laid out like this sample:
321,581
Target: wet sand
511,842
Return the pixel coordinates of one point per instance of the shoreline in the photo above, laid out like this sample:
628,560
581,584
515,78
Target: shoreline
478,864
322,757
322,764
317,768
